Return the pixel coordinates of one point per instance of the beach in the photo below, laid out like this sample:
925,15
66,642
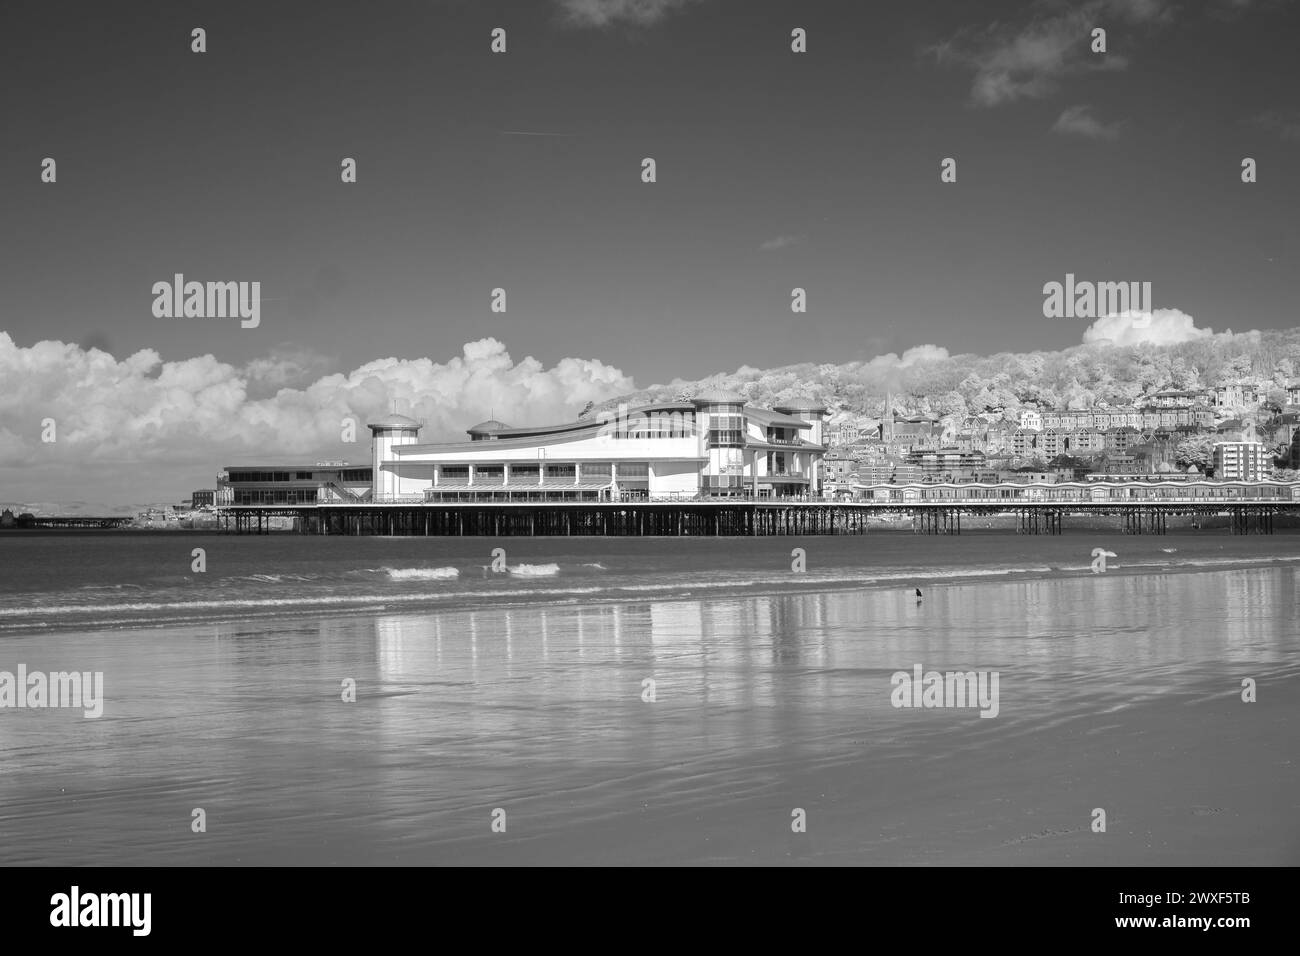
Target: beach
524,691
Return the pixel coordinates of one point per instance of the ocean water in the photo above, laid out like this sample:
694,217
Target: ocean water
56,581
521,696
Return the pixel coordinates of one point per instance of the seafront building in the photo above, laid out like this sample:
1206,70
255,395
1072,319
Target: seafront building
714,445
292,484
1241,461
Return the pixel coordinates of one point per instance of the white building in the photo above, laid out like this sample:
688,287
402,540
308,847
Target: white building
714,444
1237,395
1240,461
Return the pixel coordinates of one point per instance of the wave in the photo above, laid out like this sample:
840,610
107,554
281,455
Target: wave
274,578
378,600
535,570
422,574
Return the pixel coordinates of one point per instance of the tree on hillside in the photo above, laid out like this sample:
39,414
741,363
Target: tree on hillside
1197,451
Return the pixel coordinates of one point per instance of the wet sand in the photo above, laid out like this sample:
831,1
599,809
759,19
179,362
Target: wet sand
763,704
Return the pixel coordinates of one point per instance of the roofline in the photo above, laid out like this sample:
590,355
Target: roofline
294,467
558,460
604,417
1079,484
804,446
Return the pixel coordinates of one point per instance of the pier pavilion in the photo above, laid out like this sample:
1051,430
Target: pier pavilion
715,445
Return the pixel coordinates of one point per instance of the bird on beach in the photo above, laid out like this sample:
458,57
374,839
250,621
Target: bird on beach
918,594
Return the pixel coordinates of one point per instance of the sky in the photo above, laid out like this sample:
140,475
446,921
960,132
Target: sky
522,170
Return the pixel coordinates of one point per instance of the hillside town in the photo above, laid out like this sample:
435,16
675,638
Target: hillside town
1229,432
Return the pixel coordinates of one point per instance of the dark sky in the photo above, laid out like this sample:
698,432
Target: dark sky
226,166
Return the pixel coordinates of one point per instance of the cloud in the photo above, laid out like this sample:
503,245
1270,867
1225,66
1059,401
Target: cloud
1079,121
1029,60
1160,327
286,366
164,424
1286,124
912,356
604,13
782,242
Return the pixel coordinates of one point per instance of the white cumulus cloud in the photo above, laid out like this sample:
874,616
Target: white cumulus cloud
1160,327
163,426
919,353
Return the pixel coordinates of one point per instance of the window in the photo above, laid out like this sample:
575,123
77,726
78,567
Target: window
633,469
726,429
455,471
560,471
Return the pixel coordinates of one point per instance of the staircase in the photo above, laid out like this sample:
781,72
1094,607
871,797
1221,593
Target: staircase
331,492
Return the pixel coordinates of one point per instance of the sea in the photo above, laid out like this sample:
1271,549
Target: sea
319,700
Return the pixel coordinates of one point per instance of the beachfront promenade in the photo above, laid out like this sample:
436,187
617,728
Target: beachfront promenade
1138,507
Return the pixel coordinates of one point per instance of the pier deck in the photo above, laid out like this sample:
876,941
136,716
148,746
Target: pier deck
728,518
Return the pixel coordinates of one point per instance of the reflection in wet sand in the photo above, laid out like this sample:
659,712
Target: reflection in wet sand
1116,689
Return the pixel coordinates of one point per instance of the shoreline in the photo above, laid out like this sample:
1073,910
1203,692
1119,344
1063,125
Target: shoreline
424,604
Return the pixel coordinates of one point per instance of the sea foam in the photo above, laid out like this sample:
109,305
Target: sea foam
422,574
535,570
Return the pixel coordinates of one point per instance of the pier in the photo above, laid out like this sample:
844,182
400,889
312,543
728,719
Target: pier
732,518
79,521
609,519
